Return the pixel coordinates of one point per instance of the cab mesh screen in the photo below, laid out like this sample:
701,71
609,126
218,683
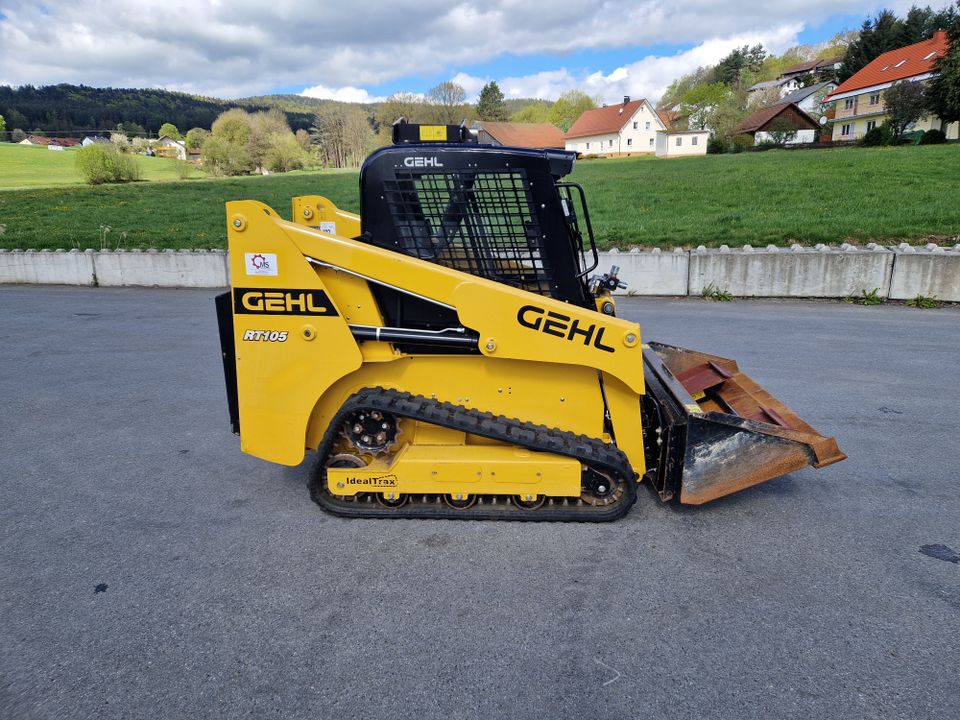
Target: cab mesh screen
481,222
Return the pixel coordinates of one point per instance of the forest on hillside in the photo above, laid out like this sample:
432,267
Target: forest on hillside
78,108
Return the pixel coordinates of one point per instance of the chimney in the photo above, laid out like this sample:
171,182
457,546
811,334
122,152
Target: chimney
940,36
626,99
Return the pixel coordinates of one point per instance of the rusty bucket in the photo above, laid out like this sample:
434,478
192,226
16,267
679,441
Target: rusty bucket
713,431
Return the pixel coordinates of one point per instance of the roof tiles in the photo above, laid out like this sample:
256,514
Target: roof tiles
604,120
900,64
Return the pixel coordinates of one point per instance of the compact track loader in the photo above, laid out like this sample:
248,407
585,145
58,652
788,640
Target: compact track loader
450,353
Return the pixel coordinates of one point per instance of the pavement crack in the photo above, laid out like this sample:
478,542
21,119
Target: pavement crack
612,680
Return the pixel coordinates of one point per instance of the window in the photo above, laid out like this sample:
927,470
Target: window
847,129
900,63
609,143
635,123
588,146
929,55
693,140
647,125
848,104
629,141
651,142
679,141
871,124
875,98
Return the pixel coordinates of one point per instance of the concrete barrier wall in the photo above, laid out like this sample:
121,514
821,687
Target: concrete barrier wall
820,272
931,272
900,273
652,272
46,268
199,268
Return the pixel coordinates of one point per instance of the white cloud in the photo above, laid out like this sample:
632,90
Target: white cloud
647,77
243,47
471,85
348,93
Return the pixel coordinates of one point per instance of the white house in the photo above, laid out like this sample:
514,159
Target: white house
682,143
168,147
629,128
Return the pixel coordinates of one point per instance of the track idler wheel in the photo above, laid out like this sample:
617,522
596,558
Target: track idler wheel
529,502
391,500
460,501
599,488
346,460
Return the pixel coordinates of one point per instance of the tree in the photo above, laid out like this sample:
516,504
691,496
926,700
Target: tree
303,139
18,135
730,70
3,127
490,104
905,103
921,23
568,107
232,126
448,99
195,137
16,119
394,107
877,36
343,134
120,141
131,128
679,87
283,153
170,130
698,102
536,112
266,130
943,91
781,131
106,164
222,157
226,151
140,146
358,137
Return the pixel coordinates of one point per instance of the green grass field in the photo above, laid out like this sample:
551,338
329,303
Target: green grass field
779,197
31,166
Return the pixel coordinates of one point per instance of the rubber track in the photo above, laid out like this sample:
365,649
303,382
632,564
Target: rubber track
589,451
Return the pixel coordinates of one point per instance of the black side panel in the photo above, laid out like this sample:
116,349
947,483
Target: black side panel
228,352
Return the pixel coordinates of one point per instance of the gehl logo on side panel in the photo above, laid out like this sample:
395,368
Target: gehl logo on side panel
562,326
253,301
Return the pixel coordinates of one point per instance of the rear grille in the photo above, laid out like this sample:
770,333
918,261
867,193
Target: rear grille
481,222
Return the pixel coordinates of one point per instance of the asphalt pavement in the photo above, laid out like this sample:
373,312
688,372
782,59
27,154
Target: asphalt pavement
149,569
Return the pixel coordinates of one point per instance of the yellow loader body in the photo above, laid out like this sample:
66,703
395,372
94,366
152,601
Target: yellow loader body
431,385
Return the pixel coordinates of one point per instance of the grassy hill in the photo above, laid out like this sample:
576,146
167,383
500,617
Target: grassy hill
779,197
30,166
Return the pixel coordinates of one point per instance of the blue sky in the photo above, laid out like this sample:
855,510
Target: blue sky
234,48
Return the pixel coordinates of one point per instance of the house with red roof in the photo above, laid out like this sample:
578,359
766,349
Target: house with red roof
627,128
531,135
859,99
